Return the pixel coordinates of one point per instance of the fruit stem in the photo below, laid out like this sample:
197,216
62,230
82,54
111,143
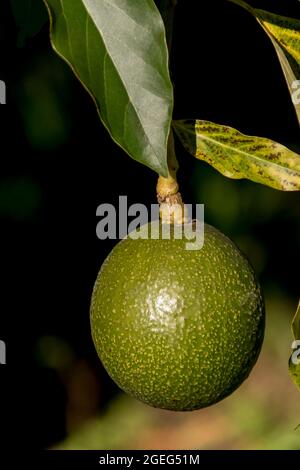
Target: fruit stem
172,210
168,186
168,195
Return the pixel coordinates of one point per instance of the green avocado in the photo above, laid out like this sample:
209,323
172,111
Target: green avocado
178,329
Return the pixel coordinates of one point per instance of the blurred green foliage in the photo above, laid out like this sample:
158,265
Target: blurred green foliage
20,198
42,97
30,16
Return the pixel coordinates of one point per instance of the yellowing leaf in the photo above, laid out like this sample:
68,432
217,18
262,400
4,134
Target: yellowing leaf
295,372
296,323
284,33
236,155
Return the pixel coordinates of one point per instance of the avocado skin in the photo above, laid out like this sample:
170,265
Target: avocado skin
177,329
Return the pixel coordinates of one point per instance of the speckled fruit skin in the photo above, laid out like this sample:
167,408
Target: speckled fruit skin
177,329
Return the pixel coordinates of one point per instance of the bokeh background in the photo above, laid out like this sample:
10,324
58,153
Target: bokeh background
58,164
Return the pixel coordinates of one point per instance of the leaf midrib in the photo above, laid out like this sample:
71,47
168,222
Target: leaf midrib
249,155
129,98
232,149
292,51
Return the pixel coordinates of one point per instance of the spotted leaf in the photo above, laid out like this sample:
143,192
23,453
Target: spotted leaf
236,155
284,33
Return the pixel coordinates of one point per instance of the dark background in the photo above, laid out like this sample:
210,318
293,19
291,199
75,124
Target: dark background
58,164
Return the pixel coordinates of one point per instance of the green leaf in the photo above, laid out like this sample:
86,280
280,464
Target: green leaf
284,33
118,51
294,362
30,16
294,370
296,323
236,155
